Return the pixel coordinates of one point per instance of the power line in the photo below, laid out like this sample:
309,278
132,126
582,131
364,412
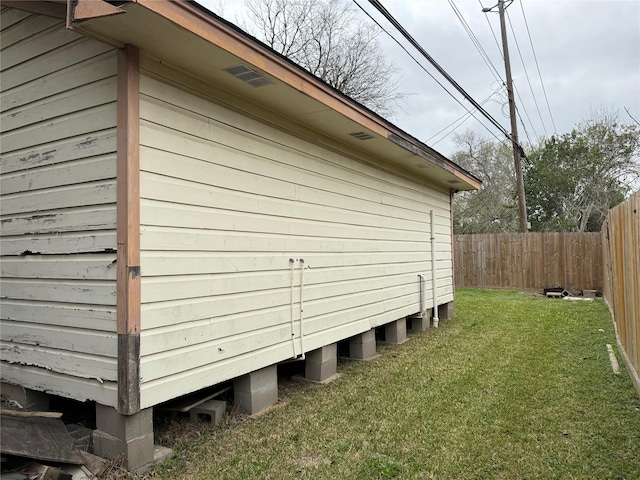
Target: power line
524,127
535,57
515,88
526,74
489,63
526,113
476,42
442,71
492,32
461,120
424,69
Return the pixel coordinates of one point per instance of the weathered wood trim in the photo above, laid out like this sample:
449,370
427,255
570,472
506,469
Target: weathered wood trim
81,10
128,373
128,230
76,25
50,9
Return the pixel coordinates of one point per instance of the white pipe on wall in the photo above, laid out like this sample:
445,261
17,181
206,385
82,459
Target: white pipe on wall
293,327
302,356
436,320
422,278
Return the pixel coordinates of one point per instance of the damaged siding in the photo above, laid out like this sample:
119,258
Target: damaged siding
226,202
58,207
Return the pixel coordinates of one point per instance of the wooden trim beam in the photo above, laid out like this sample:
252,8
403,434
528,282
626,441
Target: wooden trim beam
81,10
50,9
128,230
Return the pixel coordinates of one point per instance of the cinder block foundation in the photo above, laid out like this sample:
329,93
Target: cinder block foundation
396,332
129,437
257,390
321,364
417,324
31,400
445,311
363,346
211,411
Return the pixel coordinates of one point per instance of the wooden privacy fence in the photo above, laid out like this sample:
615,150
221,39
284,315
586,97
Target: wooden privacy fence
529,261
621,255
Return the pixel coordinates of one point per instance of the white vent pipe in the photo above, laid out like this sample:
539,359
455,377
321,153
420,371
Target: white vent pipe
292,262
302,356
436,320
422,278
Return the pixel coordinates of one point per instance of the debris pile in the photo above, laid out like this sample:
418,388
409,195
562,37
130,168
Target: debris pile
39,446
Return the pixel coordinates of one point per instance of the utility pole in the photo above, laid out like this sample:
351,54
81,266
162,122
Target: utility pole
512,115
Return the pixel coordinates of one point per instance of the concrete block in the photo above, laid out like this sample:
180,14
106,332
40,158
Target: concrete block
445,311
124,427
161,454
129,436
257,390
322,363
32,400
396,332
363,346
211,411
137,454
418,323
589,293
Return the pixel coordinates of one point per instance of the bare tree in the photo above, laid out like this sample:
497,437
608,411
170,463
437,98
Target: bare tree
326,38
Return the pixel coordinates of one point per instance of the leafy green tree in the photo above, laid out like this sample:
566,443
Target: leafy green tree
494,208
575,178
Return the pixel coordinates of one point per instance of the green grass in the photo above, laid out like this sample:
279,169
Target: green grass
516,386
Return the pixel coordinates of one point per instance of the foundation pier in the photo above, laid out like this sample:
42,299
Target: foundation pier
363,346
321,364
257,390
129,437
445,311
419,323
396,332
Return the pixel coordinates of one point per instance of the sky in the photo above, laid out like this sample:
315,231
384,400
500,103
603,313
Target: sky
587,51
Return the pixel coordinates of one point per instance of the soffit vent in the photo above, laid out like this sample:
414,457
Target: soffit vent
361,135
452,182
247,75
424,165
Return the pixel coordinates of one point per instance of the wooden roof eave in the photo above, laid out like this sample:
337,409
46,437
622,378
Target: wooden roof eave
395,145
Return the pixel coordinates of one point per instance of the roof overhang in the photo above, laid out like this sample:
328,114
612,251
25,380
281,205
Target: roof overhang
192,39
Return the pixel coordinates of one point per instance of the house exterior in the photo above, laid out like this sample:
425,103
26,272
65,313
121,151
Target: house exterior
181,206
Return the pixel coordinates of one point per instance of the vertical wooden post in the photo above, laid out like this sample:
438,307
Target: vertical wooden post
128,230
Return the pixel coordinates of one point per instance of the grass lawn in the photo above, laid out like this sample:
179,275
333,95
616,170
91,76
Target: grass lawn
516,386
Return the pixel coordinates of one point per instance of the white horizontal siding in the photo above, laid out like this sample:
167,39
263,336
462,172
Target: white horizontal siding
226,202
58,209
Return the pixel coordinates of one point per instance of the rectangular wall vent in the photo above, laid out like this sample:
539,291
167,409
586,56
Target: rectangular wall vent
361,135
247,75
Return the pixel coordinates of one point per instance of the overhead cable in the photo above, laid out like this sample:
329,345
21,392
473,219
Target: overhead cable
526,73
469,112
515,87
442,71
535,57
476,42
456,124
489,63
